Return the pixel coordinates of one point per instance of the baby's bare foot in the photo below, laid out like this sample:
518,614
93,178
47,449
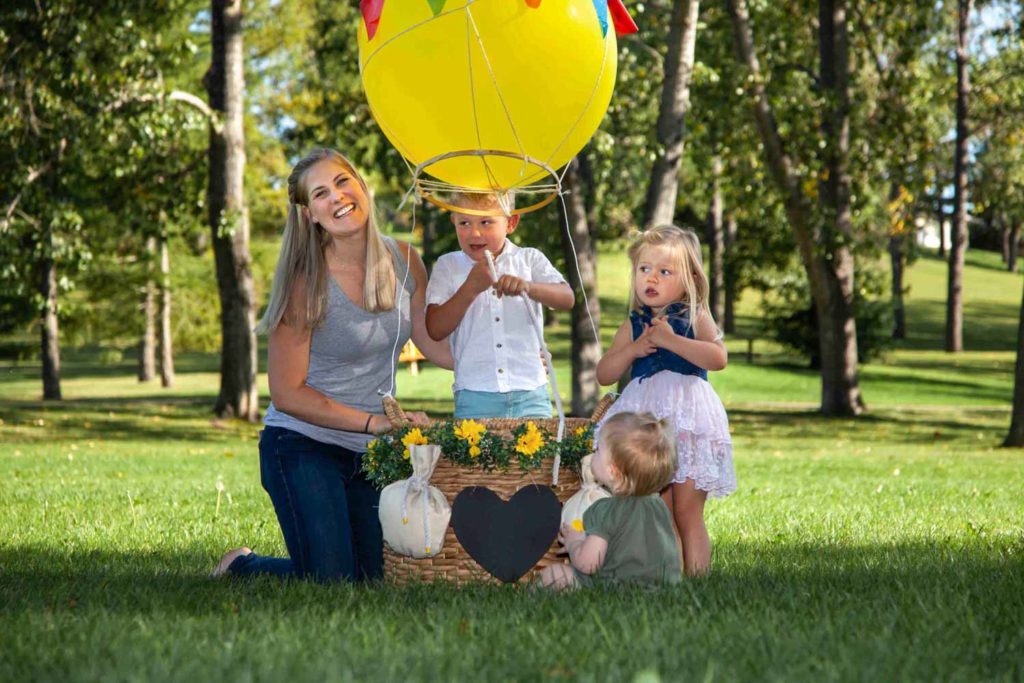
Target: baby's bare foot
222,567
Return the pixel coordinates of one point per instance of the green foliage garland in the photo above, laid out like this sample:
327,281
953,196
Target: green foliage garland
469,444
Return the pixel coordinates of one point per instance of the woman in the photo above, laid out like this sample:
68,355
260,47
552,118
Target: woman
342,306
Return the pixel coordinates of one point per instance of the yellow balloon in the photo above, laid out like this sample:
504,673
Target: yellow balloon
523,78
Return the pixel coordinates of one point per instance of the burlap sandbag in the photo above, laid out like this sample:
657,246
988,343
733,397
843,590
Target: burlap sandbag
589,493
413,514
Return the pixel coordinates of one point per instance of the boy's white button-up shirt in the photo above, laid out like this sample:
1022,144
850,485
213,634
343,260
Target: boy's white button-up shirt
493,346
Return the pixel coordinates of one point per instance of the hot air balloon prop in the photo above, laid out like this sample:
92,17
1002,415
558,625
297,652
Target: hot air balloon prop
489,95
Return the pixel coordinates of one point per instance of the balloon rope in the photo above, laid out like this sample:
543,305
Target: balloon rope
497,88
576,262
398,306
538,330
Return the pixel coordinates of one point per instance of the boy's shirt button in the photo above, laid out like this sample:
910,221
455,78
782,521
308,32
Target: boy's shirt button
499,346
497,320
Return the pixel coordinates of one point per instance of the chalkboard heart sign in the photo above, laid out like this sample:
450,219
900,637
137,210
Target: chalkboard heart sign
506,539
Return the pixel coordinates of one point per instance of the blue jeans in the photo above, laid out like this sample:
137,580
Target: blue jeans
326,508
480,404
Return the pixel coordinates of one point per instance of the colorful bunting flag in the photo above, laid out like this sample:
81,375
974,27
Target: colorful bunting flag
371,10
436,6
602,15
624,24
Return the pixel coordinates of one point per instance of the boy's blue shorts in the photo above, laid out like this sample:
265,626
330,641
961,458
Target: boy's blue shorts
481,404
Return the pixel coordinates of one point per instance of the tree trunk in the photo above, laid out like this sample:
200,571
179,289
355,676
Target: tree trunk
430,220
826,258
166,345
50,327
1014,251
147,343
586,349
229,217
954,292
716,243
1016,436
899,314
1004,235
729,323
942,226
675,102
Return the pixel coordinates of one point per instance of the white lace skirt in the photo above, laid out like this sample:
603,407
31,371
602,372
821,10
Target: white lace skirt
702,427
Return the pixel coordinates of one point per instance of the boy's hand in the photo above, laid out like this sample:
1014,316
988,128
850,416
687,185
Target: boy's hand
479,278
660,333
511,285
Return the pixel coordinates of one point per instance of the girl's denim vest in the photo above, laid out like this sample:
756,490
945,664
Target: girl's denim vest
678,317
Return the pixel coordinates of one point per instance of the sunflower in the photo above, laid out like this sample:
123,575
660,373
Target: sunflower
530,441
470,431
413,438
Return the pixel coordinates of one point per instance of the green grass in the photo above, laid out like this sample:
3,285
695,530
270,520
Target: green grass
889,547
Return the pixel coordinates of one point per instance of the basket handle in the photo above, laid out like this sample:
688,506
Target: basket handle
602,407
395,413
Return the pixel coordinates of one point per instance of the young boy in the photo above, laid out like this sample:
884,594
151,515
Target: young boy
498,367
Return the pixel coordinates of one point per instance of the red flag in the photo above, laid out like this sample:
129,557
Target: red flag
624,24
371,10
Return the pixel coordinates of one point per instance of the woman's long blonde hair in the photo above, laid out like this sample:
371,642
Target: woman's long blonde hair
302,255
683,247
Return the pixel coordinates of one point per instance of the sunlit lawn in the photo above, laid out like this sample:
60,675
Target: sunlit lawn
887,547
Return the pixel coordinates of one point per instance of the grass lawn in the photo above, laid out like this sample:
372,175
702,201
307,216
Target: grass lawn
890,547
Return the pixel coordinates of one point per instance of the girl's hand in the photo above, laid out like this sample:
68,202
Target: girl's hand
510,285
660,333
643,345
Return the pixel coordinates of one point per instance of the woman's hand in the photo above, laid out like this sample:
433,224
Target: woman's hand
418,419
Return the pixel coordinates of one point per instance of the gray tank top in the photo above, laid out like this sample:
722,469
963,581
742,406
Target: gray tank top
350,357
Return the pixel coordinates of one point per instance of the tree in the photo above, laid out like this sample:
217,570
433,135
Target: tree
1016,436
958,238
823,243
663,188
228,216
70,74
581,253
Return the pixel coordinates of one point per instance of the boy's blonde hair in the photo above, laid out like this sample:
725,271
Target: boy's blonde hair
504,201
643,450
302,254
683,247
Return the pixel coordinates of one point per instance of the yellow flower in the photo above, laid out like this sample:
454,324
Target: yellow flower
577,524
531,441
413,438
580,430
474,451
470,431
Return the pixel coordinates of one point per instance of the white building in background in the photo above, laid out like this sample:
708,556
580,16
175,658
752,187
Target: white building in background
927,233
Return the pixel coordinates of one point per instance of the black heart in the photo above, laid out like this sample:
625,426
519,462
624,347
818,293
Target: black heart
506,539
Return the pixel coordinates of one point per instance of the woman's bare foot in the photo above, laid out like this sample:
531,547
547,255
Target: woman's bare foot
230,556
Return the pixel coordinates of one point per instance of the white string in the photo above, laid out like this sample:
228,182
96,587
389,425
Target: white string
576,262
538,329
398,306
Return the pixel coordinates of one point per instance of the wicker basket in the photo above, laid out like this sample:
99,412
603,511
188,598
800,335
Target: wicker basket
453,563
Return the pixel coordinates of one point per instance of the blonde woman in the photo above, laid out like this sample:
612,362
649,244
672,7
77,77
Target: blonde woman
341,308
669,343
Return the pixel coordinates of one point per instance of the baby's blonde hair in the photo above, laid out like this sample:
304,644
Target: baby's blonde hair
643,450
683,247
